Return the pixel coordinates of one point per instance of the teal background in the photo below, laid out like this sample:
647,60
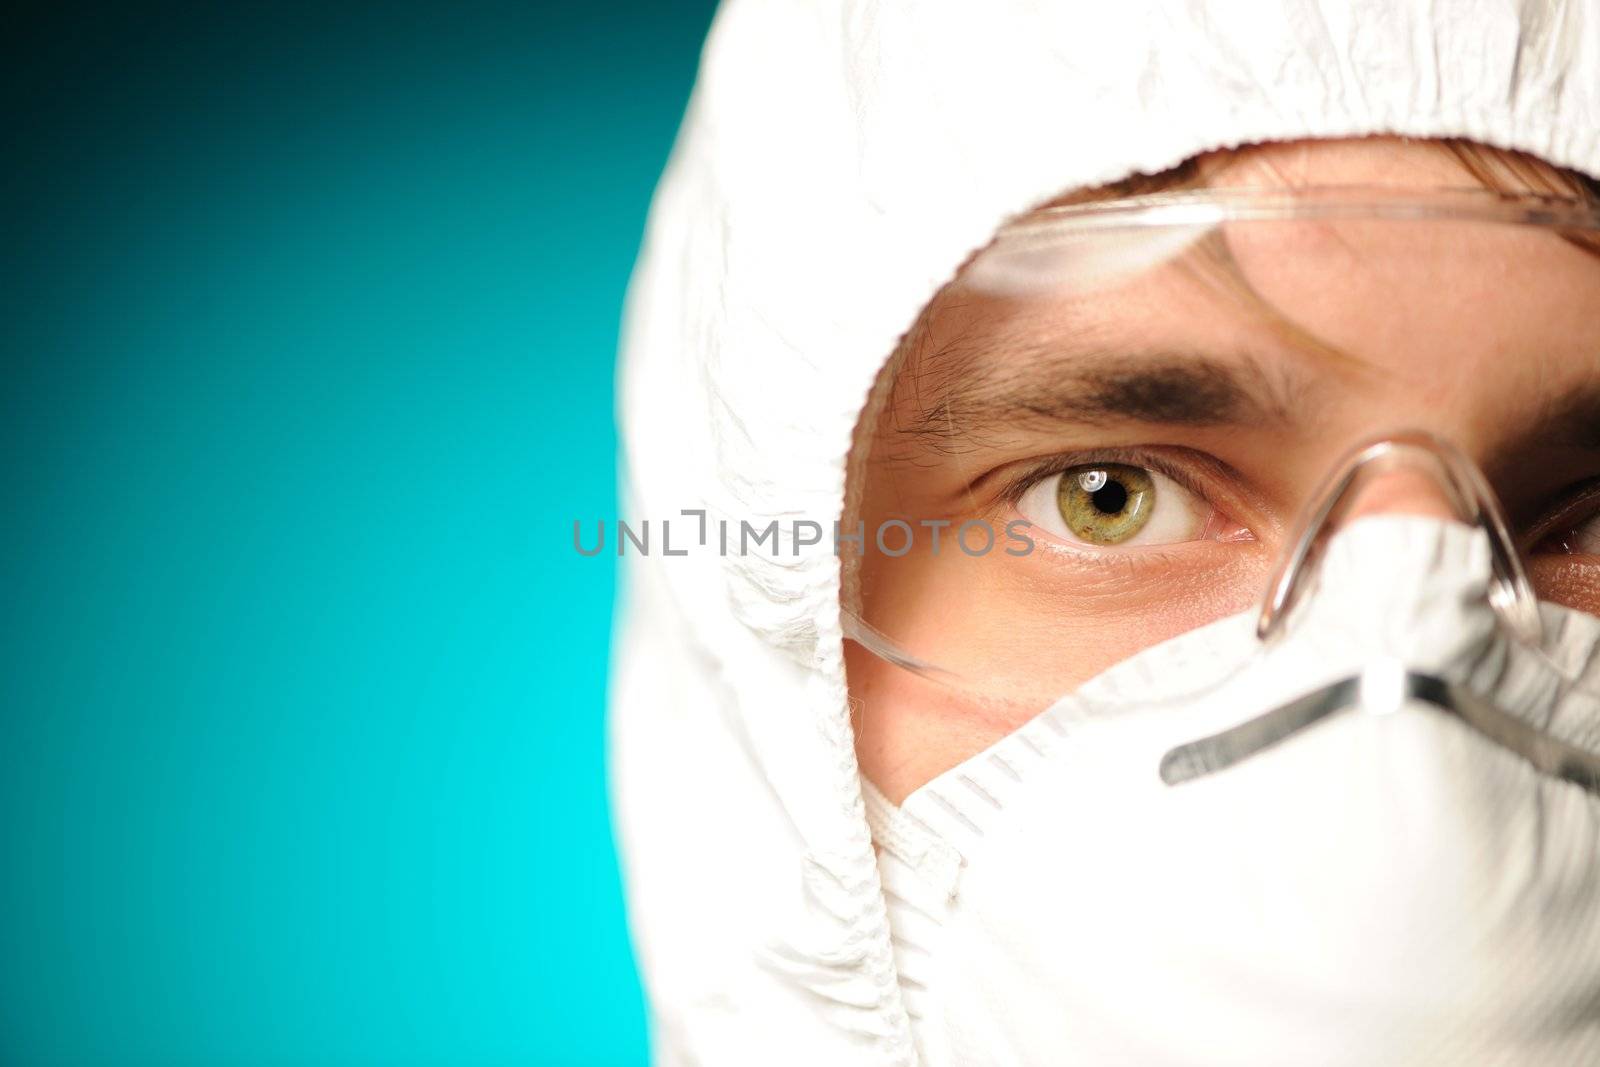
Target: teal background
309,328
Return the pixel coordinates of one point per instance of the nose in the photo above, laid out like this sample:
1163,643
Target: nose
1404,491
1410,472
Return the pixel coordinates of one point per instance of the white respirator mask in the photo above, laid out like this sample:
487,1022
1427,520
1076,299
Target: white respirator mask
1356,826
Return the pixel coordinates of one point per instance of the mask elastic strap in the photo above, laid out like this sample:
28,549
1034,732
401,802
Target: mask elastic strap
1389,685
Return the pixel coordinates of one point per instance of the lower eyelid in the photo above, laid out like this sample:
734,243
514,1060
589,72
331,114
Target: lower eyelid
1187,565
1137,558
1097,553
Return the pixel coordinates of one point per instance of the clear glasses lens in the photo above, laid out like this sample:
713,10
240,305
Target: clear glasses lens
1105,432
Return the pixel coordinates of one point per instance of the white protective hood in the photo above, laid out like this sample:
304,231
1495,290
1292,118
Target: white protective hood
838,162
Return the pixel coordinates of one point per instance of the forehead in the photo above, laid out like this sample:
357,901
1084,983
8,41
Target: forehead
1436,305
1371,161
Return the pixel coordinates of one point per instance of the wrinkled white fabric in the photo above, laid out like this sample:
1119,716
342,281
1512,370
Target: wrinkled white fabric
838,162
1386,886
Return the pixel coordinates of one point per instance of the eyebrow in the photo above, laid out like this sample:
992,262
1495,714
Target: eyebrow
1095,389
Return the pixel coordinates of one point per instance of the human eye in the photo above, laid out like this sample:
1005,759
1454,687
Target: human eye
1582,539
1573,535
1563,551
1102,505
1570,528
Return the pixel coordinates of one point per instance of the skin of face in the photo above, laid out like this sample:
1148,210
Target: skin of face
1488,336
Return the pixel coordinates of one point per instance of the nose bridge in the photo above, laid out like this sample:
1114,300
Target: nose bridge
1410,489
1409,472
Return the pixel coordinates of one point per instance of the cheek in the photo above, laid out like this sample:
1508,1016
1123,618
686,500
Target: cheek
909,730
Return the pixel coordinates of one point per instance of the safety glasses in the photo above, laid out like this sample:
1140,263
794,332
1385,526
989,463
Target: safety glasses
1125,420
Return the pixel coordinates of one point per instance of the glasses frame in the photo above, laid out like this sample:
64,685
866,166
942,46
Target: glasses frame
1210,207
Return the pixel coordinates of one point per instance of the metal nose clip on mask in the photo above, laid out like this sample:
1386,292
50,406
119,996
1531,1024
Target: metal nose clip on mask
1387,684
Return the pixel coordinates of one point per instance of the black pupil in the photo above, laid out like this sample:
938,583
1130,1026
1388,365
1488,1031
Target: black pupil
1110,498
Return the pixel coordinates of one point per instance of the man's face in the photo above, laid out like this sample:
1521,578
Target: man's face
1161,435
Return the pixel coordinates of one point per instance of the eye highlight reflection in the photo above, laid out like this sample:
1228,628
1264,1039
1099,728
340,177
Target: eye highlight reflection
1111,505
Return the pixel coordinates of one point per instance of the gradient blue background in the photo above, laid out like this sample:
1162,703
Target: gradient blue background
309,330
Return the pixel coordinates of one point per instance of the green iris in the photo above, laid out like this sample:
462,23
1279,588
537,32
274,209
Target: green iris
1106,503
